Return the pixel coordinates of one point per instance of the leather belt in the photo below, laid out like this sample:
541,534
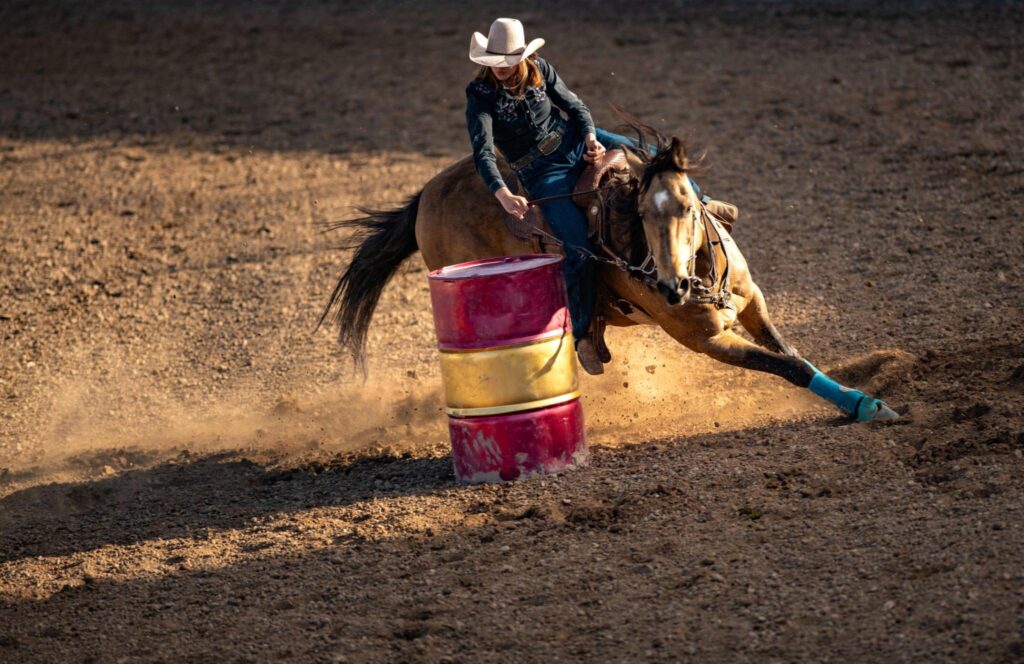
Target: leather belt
546,146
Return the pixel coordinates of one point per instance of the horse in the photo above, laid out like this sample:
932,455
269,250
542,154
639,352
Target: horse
702,289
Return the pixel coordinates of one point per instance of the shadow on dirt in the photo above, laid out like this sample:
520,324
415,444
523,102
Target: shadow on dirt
193,493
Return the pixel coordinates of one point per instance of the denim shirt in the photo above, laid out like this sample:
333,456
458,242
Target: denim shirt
497,118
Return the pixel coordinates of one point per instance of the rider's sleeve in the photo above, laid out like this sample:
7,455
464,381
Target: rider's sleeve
565,98
481,135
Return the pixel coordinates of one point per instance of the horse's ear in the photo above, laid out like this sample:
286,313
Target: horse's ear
679,154
636,165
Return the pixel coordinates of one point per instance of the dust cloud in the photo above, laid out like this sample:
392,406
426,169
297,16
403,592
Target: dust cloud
103,414
655,388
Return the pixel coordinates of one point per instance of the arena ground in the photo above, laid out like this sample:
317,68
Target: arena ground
188,472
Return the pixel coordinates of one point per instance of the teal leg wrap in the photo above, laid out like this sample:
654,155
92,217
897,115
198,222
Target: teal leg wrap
849,400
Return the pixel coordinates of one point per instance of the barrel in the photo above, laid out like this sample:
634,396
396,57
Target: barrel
509,368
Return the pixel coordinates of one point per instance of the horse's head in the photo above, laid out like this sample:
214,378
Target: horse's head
670,212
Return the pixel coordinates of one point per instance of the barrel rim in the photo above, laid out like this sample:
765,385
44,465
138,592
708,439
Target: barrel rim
514,408
501,344
440,273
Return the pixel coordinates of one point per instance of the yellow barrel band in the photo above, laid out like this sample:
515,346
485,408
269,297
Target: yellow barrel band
514,408
510,375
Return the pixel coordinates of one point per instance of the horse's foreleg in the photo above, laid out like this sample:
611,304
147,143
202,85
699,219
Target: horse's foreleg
754,319
733,349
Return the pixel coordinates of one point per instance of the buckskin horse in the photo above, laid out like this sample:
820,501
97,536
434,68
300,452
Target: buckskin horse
665,260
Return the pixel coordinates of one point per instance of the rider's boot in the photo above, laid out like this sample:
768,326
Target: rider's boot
586,353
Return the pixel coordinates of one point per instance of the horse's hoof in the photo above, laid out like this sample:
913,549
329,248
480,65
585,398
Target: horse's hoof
874,410
885,414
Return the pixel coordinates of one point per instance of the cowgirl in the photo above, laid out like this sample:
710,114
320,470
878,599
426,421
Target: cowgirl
510,104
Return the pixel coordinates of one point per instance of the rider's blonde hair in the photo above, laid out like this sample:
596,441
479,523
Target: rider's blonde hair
526,75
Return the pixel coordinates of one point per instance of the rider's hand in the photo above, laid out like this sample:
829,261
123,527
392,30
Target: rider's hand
594,148
517,206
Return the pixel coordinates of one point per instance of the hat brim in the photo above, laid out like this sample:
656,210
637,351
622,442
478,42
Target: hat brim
478,52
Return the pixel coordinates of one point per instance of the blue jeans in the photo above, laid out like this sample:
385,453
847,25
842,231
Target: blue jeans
556,174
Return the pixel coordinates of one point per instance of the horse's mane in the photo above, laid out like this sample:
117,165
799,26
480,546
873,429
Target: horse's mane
622,200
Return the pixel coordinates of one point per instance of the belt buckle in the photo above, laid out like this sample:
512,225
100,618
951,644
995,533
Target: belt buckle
549,143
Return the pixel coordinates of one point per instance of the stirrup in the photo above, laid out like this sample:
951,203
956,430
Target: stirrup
597,328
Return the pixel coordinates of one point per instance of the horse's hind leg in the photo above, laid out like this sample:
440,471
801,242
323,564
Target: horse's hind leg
755,320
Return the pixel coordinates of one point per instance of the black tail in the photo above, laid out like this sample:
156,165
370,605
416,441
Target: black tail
382,241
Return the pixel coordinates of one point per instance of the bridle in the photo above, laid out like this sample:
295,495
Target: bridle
718,294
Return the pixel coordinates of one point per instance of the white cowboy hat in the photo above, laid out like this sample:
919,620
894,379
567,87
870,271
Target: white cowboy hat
504,46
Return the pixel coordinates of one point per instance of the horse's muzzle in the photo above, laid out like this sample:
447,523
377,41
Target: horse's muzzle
674,290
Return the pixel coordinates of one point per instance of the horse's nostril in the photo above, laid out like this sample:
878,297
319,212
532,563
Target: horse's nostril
669,288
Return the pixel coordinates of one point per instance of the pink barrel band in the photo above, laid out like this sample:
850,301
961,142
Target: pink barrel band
505,300
520,445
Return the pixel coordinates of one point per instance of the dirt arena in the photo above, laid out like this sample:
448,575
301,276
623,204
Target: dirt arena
188,472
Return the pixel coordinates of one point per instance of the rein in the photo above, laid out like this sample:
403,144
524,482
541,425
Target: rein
545,199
